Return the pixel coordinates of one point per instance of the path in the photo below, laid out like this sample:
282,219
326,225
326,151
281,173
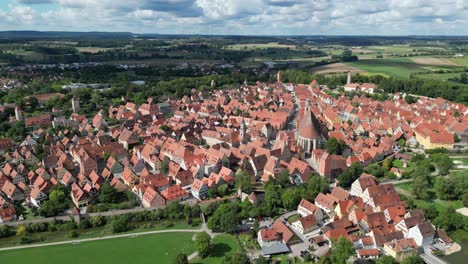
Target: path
77,241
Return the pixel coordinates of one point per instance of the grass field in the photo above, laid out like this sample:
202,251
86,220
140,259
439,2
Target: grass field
401,67
222,245
157,248
56,236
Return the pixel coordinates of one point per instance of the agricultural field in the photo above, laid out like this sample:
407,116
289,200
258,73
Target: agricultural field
336,68
460,61
156,248
401,67
92,49
255,46
223,245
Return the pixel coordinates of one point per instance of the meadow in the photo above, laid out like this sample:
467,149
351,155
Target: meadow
156,248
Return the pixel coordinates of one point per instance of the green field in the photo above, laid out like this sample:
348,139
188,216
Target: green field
222,245
157,248
59,235
440,76
460,61
401,67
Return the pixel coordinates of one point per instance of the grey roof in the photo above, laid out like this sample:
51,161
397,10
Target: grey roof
275,249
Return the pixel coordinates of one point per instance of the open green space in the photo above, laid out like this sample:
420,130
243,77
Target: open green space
61,235
156,248
222,245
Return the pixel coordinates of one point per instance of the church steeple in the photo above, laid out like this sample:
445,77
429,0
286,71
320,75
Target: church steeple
243,129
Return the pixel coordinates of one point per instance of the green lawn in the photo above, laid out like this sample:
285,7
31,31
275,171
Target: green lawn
156,248
222,245
56,236
293,218
405,186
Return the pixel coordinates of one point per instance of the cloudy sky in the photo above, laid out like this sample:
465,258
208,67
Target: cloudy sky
243,17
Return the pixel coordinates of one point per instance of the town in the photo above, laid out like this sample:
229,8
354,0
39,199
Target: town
240,146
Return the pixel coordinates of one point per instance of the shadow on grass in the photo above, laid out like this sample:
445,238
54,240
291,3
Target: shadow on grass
219,250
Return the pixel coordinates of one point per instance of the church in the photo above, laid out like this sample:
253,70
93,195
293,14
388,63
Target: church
308,136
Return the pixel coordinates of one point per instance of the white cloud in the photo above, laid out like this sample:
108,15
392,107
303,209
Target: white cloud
384,17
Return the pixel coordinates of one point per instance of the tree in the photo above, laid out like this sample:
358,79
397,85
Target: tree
21,230
335,146
236,258
420,187
108,194
98,220
291,198
351,174
229,222
242,180
203,244
449,219
386,260
387,163
273,194
181,258
283,179
222,189
342,250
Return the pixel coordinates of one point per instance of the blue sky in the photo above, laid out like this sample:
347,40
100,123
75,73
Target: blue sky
243,17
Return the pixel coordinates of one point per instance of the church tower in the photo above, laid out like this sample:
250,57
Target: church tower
75,104
348,81
18,114
243,129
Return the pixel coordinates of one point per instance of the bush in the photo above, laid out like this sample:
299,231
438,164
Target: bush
6,231
119,225
98,220
72,234
26,239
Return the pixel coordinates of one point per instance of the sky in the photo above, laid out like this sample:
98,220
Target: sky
240,17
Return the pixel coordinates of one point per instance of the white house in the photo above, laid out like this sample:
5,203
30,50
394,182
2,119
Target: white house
423,234
305,224
306,208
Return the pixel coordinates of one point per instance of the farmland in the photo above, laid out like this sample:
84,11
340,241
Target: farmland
157,248
400,67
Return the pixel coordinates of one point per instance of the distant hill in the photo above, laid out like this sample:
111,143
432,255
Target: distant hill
61,34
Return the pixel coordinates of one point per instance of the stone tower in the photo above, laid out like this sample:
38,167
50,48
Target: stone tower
348,81
75,104
279,76
213,83
18,114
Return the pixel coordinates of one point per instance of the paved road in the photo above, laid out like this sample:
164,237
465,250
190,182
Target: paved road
103,238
